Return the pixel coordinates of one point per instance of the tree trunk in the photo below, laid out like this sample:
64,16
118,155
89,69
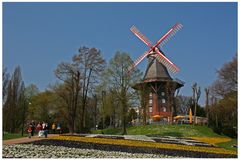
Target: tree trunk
207,104
194,88
195,112
82,120
114,118
71,125
124,110
216,121
85,91
144,115
95,113
124,125
110,124
174,105
23,120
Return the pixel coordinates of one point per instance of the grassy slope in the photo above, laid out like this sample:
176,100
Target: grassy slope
172,130
228,145
165,130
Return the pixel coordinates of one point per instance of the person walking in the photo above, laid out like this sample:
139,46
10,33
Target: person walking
33,128
29,130
59,128
53,128
46,129
40,130
39,127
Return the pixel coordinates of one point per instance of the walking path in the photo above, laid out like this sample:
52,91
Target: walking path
25,139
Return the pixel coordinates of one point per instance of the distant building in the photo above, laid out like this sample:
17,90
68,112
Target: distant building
185,120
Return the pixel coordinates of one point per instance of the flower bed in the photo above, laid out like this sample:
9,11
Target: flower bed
109,137
162,146
129,149
50,151
179,140
211,140
183,142
82,146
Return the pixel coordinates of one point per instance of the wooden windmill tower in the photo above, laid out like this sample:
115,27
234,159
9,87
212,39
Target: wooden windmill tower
157,80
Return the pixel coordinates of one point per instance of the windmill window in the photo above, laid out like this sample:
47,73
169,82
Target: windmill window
150,101
163,101
163,93
150,95
150,109
164,109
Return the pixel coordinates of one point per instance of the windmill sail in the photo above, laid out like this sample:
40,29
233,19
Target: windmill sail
141,36
136,62
175,29
154,49
166,62
169,35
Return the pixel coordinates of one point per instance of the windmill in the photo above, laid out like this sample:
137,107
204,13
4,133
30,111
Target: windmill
157,80
155,50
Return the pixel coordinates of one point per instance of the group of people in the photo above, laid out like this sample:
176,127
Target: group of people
56,128
42,129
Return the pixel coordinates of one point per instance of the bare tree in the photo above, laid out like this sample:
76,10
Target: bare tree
183,103
227,80
79,76
223,92
196,96
228,74
91,65
69,91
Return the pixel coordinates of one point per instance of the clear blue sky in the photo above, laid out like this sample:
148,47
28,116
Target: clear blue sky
38,36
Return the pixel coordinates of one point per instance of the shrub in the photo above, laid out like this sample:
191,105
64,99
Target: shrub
230,132
217,130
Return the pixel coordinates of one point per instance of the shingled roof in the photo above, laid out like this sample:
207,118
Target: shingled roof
156,71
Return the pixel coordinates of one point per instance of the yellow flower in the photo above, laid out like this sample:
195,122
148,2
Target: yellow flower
135,143
211,140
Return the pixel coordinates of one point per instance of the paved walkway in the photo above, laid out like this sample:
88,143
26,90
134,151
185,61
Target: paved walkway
25,139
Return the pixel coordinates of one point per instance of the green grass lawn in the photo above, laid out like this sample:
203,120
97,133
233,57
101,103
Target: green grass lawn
171,130
7,136
228,145
164,130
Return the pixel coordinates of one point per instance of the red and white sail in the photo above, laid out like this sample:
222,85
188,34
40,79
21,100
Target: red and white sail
153,48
